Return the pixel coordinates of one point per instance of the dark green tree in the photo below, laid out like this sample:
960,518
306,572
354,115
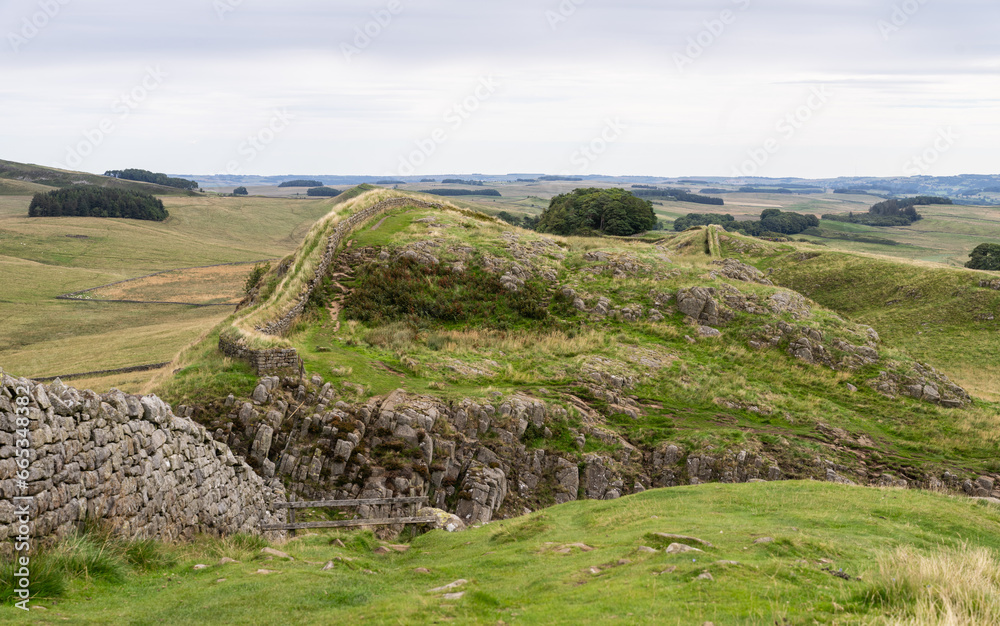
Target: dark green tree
986,256
241,191
595,211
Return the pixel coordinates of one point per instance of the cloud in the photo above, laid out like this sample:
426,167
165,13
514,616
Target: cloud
751,61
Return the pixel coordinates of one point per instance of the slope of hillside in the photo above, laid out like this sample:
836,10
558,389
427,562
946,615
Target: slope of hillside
947,316
21,178
785,553
471,356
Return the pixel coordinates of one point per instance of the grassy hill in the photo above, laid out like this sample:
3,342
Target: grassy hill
21,178
42,258
715,343
786,553
597,326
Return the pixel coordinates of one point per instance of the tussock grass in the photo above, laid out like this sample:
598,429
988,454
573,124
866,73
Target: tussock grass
92,554
948,587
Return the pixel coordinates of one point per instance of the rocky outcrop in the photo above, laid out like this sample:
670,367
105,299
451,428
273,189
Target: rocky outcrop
736,270
126,461
699,304
921,382
481,461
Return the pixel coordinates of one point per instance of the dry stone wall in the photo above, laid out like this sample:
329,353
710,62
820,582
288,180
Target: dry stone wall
276,360
262,361
340,232
126,461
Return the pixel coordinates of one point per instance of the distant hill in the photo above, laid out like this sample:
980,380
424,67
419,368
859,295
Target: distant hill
48,178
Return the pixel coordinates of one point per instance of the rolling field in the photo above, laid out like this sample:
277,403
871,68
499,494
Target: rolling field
199,285
41,258
778,553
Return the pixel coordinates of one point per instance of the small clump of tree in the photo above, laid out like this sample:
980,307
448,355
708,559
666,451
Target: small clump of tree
594,211
701,219
895,212
90,201
775,222
241,191
326,192
986,256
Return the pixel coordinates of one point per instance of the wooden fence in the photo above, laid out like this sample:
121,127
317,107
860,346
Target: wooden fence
345,504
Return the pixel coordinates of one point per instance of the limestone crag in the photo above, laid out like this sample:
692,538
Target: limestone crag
484,460
127,461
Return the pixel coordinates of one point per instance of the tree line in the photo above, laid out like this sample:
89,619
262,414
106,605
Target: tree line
145,176
772,223
679,195
895,212
493,193
301,183
90,201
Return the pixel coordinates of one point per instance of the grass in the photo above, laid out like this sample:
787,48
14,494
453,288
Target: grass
41,258
888,544
939,315
208,285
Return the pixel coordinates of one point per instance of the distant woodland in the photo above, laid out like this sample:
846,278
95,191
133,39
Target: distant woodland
890,213
145,176
90,201
464,192
301,183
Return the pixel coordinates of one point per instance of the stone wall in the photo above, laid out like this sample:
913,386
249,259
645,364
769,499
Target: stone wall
127,461
276,360
262,361
340,232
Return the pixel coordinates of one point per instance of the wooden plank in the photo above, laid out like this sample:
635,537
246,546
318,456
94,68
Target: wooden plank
320,504
351,522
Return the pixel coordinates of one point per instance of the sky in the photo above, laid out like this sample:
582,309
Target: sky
808,88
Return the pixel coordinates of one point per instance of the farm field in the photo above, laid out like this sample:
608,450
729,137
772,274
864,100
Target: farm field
42,258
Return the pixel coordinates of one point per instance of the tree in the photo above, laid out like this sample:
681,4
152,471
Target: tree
985,257
90,201
595,211
241,191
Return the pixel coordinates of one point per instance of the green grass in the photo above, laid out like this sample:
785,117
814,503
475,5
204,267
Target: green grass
516,574
939,315
41,258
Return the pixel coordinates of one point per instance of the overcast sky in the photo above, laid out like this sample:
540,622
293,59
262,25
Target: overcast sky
624,87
